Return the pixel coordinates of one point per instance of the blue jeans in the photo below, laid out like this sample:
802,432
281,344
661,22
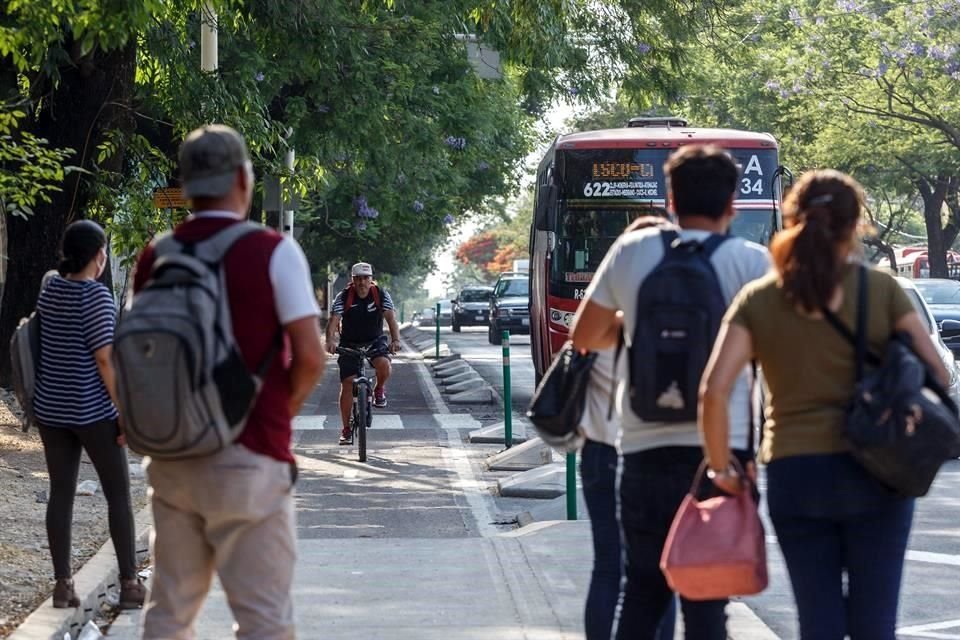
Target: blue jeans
598,469
653,483
832,517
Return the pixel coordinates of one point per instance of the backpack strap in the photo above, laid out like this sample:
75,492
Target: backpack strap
668,237
713,243
213,249
352,292
857,340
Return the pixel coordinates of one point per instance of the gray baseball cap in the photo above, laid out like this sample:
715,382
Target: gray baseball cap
209,159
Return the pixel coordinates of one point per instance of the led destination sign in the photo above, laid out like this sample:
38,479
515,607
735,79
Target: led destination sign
637,174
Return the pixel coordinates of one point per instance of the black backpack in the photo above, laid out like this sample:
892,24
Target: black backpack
679,309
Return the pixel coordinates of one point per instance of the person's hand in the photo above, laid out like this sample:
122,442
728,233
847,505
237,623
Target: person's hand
729,479
121,433
332,347
395,346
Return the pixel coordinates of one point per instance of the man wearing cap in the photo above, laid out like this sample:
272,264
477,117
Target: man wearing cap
357,315
233,512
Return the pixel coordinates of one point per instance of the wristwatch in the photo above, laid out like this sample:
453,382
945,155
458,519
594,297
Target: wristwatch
726,472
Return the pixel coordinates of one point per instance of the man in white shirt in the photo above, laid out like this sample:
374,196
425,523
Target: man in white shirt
659,460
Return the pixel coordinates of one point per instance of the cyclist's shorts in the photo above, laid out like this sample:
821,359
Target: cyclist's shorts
350,364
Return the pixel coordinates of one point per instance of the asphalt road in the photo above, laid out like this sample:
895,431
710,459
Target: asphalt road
930,598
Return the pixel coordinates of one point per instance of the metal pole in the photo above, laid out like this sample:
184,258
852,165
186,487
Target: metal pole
208,37
437,322
507,411
286,220
401,313
572,486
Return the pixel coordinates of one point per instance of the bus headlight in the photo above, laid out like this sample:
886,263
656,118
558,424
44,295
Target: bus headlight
564,318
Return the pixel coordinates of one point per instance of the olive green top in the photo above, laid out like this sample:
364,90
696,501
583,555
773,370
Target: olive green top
808,367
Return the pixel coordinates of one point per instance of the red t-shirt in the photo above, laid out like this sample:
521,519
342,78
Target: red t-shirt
255,326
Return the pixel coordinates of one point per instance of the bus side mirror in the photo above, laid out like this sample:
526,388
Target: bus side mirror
546,214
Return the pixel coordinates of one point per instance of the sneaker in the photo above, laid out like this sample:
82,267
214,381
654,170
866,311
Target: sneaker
346,437
379,398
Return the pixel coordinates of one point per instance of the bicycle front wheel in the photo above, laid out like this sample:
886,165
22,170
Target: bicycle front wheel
363,407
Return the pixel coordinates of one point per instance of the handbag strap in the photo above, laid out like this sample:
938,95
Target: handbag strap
859,339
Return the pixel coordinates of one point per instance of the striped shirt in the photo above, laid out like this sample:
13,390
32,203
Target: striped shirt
76,319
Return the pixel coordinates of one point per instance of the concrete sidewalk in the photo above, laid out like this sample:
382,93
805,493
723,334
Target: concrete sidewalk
527,584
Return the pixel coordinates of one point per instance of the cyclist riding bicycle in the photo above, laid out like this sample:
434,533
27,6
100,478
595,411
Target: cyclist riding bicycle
357,316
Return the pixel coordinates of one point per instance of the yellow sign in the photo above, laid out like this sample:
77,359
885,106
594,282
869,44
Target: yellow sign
169,198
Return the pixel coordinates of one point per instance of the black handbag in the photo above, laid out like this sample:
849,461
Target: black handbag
558,402
901,424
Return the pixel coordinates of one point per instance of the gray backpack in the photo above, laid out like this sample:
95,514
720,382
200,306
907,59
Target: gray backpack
25,363
183,387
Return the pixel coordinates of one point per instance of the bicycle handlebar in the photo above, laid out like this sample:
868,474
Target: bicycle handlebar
363,352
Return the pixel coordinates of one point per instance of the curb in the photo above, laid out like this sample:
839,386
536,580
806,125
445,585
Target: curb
94,583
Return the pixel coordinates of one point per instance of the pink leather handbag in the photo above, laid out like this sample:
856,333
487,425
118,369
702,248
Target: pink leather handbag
716,547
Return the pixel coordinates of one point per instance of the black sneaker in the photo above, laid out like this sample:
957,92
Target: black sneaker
346,437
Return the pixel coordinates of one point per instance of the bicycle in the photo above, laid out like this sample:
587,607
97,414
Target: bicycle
362,411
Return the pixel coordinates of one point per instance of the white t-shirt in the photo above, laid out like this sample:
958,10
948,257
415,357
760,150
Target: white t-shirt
616,285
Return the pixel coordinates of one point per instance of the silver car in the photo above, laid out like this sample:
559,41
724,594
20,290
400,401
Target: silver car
931,324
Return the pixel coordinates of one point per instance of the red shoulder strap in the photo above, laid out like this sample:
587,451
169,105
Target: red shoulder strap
376,296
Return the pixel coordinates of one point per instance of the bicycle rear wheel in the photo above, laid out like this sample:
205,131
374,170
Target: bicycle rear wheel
359,430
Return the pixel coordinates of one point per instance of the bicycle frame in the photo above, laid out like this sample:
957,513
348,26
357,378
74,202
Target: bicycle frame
362,391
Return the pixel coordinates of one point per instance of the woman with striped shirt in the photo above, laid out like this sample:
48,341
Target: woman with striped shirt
75,407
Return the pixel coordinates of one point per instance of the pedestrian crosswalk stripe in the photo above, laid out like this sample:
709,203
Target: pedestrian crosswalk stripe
393,421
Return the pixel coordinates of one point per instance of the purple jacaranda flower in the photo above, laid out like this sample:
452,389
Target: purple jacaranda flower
259,76
643,48
795,17
784,93
917,49
754,37
850,6
930,12
772,85
360,225
359,202
952,67
483,165
797,87
918,73
759,18
448,219
826,64
418,206
191,45
324,108
456,143
573,91
882,68
819,20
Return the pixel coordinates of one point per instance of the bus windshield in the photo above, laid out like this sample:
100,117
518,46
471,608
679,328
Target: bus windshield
584,234
753,225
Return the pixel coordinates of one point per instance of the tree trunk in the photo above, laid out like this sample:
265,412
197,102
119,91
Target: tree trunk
76,114
933,201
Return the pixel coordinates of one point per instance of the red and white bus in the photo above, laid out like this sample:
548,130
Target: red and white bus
592,184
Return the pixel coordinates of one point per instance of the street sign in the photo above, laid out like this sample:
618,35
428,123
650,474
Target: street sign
169,198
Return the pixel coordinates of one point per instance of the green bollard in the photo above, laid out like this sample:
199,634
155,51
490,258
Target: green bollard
401,313
507,411
437,322
572,486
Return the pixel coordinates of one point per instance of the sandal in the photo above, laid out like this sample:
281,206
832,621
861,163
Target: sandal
132,594
64,595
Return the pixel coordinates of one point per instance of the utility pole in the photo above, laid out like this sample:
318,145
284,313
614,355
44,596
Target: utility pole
209,59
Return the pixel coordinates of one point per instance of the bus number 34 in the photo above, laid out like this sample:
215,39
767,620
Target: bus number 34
748,186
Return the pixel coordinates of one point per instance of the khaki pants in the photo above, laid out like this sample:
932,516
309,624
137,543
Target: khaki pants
231,513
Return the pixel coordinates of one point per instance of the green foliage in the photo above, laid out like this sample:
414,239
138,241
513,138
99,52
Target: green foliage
29,169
